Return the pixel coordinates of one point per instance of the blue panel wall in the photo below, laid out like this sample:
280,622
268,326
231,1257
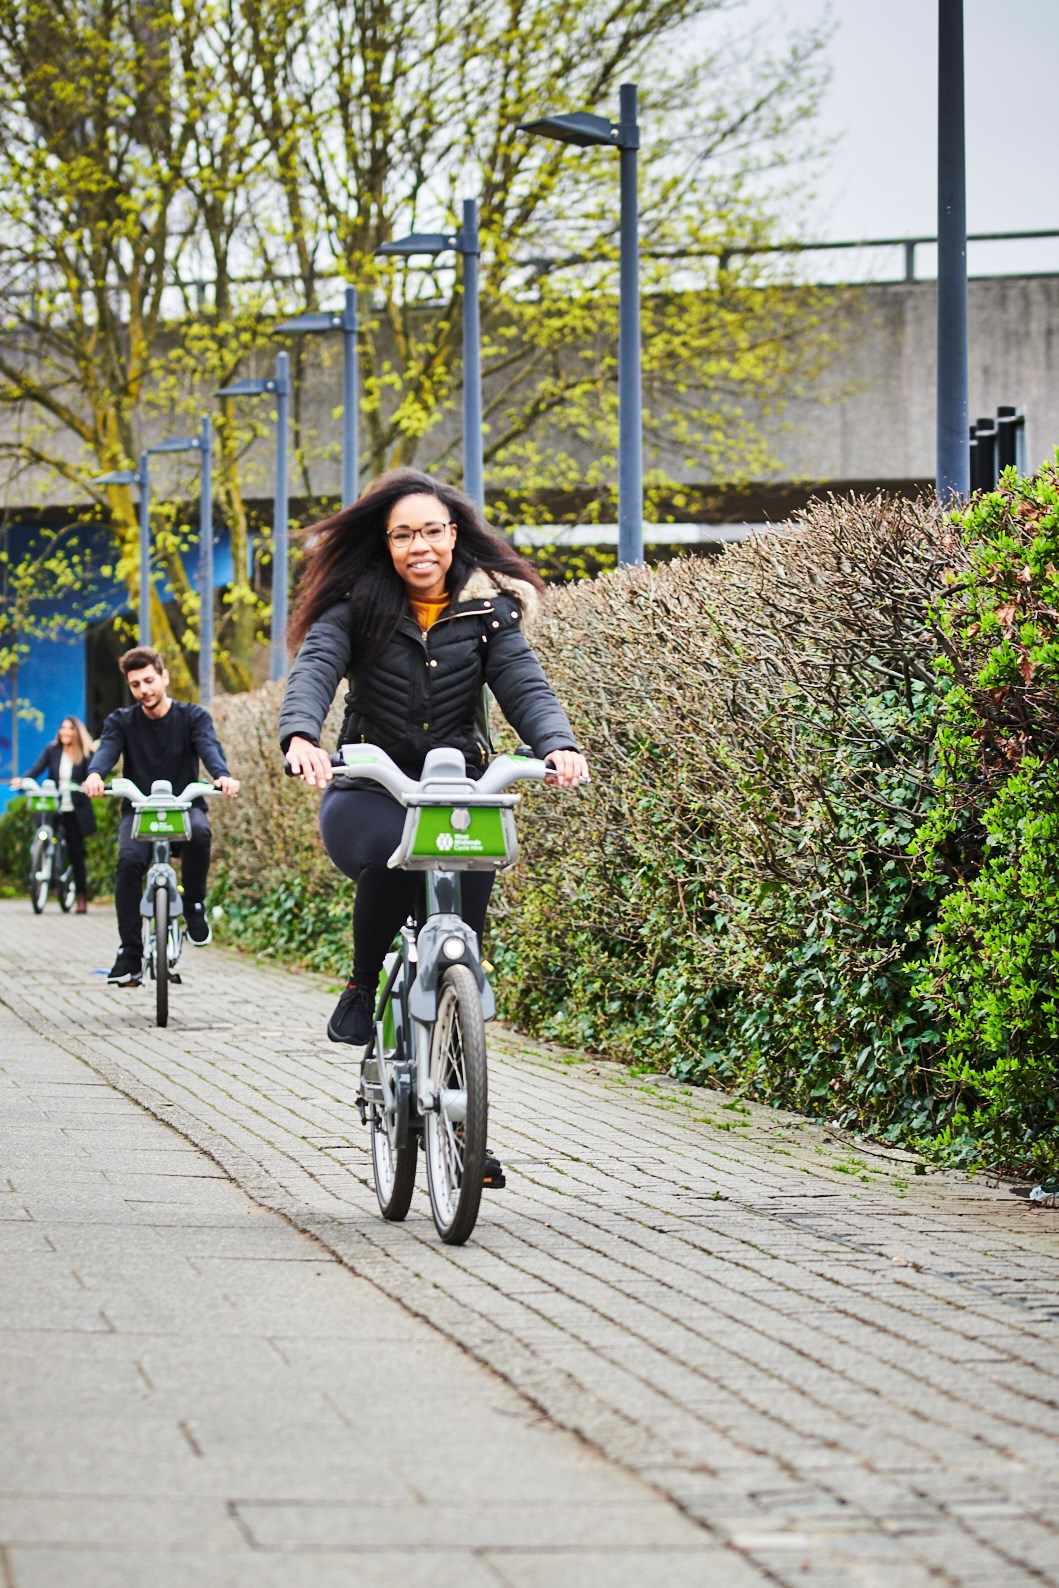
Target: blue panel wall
52,678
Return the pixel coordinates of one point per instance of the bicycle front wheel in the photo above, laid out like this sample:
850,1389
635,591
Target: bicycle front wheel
455,1129
161,955
39,872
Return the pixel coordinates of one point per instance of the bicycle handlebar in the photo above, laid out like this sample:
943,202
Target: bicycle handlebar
161,795
29,785
444,779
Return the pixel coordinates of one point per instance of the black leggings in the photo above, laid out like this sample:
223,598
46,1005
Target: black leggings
361,828
75,848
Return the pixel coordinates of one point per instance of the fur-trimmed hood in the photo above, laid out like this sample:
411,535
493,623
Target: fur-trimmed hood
482,585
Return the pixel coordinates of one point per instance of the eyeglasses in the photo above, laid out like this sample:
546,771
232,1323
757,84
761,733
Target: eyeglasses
431,533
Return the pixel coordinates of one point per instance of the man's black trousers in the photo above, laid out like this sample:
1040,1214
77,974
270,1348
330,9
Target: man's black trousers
134,857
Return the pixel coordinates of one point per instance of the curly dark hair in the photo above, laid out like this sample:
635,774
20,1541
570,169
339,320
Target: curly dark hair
348,557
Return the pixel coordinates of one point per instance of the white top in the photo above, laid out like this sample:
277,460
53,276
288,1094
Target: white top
66,767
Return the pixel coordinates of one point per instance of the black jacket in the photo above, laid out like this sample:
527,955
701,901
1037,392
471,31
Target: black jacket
424,691
166,747
48,762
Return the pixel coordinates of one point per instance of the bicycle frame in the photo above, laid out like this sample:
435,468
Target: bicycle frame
43,800
424,1071
444,939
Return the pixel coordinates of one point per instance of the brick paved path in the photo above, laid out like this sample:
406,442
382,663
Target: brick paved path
845,1372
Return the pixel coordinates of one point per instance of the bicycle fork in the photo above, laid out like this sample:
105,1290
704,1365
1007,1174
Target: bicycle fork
160,874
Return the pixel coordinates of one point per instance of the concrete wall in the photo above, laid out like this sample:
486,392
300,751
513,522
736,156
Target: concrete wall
869,418
872,416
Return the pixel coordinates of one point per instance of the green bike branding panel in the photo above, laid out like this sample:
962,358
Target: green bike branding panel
172,824
462,831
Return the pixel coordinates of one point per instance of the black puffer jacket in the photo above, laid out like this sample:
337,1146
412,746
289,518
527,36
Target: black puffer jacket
424,691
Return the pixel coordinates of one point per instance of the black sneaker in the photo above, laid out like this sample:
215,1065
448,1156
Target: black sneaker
127,970
493,1176
351,1019
197,925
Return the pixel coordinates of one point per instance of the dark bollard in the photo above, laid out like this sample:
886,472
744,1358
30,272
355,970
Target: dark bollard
985,449
1009,420
972,473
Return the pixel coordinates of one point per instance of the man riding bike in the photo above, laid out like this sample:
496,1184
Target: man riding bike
157,738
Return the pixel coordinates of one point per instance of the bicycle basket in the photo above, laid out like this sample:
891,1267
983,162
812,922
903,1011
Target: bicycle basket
153,824
457,838
42,802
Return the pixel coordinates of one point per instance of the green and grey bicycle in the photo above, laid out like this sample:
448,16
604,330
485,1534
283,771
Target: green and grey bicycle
424,1081
161,819
49,858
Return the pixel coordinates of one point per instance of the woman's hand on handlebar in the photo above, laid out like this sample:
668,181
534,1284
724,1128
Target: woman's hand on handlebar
309,762
569,766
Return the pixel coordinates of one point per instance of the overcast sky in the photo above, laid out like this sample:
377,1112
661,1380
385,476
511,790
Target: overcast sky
880,181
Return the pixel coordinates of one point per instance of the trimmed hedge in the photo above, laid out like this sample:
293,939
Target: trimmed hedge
775,883
279,892
737,902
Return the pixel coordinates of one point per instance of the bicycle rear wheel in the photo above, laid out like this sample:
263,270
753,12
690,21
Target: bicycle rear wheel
40,859
455,1130
393,1167
161,955
65,872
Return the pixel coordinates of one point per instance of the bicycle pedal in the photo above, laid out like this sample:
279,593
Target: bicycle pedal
493,1176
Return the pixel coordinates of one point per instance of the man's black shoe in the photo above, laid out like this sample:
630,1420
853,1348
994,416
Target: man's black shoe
493,1176
351,1019
196,924
127,970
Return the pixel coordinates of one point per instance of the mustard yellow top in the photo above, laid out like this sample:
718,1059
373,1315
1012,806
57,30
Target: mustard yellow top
428,612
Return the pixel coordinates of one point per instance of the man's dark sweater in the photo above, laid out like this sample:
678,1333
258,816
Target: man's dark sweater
160,747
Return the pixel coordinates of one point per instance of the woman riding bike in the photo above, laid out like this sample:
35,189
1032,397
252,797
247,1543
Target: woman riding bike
65,761
410,597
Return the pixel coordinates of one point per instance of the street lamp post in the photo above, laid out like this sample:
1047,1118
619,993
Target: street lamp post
346,322
206,562
953,456
585,130
203,445
141,478
465,243
279,384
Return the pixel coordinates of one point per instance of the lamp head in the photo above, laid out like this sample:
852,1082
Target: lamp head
417,243
118,477
177,444
247,388
306,324
579,127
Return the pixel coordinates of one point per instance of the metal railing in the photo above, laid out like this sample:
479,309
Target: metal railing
725,253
